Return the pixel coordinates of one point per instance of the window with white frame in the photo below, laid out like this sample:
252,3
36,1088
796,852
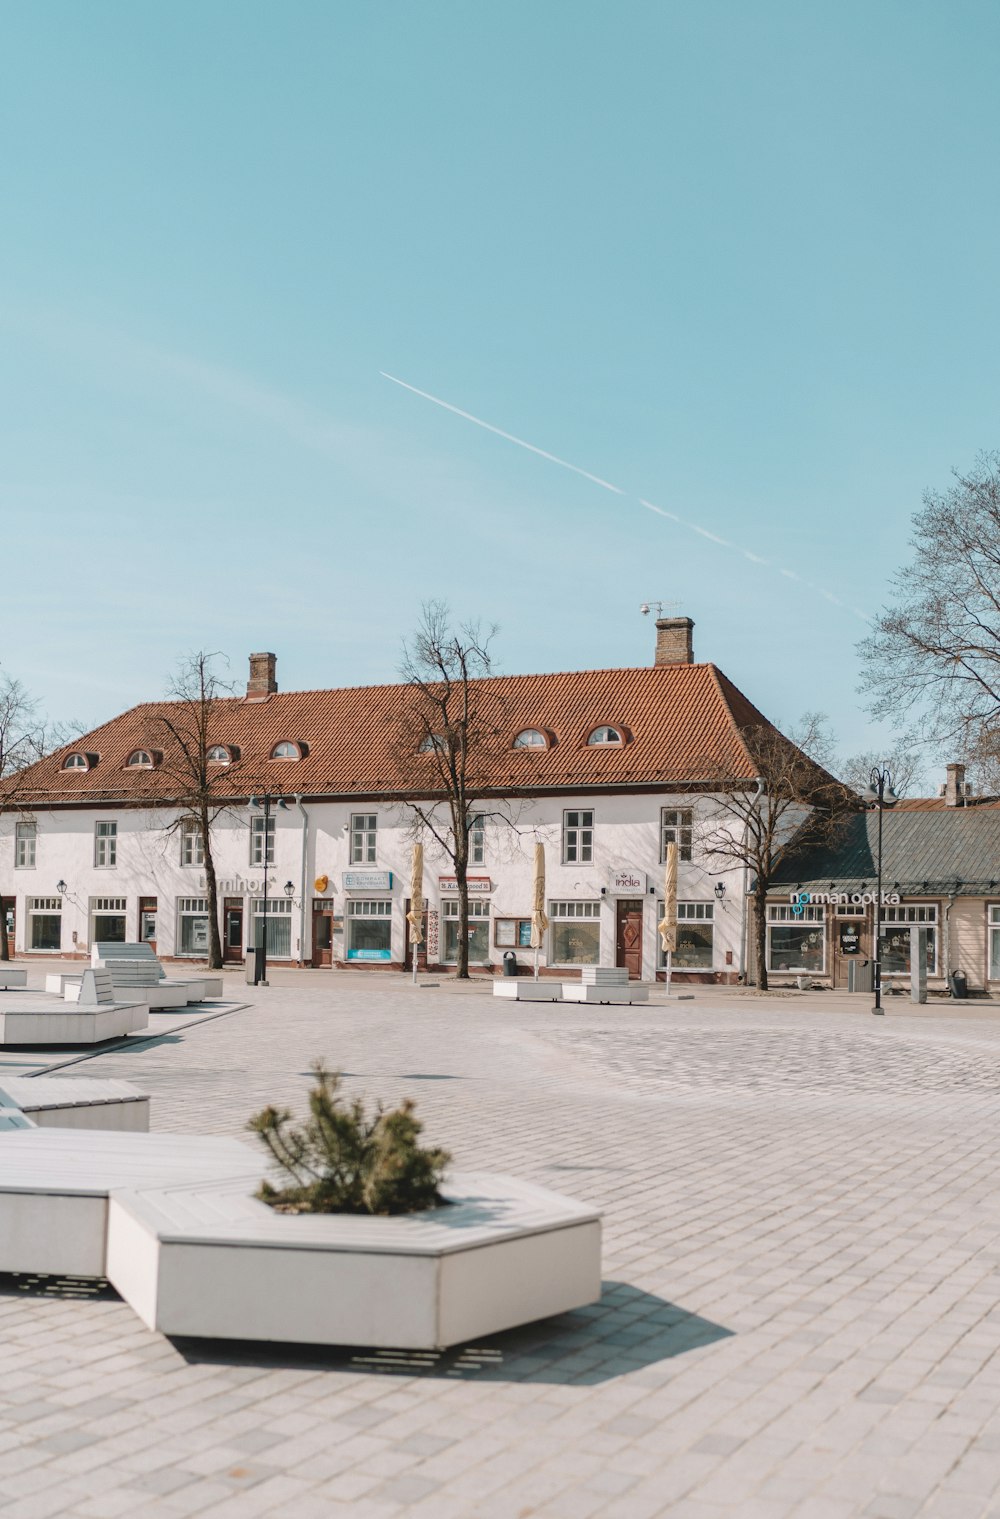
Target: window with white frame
25,835
105,844
477,839
192,926
796,941
675,828
575,933
369,928
479,932
107,920
894,936
257,835
851,910
578,838
364,837
279,926
994,923
695,936
45,924
192,843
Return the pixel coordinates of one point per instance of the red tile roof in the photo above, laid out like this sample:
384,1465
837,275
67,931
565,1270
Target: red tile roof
686,725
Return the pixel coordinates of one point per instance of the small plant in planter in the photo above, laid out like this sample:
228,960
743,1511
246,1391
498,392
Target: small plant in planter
342,1161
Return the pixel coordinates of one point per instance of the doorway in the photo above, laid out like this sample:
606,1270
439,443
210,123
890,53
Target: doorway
8,907
628,936
322,935
232,945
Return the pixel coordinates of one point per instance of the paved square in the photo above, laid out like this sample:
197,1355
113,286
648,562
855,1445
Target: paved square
802,1263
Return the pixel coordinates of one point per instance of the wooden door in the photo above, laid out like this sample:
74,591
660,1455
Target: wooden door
322,933
8,906
628,937
421,948
232,938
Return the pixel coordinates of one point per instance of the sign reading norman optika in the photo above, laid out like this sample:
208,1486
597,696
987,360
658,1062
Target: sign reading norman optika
628,883
367,880
479,886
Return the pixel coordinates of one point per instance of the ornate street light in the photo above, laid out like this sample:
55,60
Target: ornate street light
263,804
879,793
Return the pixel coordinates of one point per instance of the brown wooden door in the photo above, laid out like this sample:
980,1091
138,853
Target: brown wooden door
8,906
628,937
322,940
421,948
232,938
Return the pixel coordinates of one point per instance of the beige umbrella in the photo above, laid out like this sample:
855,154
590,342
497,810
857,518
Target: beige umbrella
668,923
415,916
539,922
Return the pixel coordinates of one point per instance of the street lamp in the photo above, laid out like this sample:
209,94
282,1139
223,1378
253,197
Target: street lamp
263,804
720,890
879,793
289,889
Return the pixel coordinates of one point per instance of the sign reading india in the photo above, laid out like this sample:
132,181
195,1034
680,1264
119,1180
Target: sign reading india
479,886
628,883
367,880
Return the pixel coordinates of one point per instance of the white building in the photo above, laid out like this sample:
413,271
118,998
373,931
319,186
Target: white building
605,767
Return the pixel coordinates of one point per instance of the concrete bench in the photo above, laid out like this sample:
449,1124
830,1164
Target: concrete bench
517,990
10,979
88,1014
140,960
68,1102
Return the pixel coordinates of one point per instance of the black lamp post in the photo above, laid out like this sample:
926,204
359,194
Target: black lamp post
879,793
263,804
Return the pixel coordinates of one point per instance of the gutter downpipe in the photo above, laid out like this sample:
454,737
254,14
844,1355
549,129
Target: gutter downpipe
302,881
947,941
746,877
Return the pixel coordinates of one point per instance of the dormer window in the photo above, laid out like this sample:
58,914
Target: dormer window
140,759
287,750
606,735
76,761
531,738
219,755
431,742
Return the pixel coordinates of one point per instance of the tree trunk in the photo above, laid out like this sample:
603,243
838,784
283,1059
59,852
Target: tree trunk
4,936
462,881
760,936
212,895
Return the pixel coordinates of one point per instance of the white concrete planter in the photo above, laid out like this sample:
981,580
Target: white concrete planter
213,1261
73,1102
10,979
39,1024
516,990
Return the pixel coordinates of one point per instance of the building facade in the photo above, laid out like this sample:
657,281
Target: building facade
604,768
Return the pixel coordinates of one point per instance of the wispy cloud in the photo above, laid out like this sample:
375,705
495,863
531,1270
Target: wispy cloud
660,511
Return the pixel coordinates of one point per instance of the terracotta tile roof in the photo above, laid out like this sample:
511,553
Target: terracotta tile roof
685,722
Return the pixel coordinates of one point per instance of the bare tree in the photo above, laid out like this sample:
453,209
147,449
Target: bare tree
22,741
449,732
935,652
185,729
754,821
905,767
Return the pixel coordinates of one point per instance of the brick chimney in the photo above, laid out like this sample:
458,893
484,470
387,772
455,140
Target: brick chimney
954,786
673,641
262,681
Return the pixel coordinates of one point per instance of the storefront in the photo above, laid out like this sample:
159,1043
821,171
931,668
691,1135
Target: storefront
108,920
369,928
574,933
192,928
44,932
695,937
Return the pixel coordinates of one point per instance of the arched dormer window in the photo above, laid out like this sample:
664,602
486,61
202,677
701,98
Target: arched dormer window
288,750
431,742
606,735
219,755
76,761
531,738
141,759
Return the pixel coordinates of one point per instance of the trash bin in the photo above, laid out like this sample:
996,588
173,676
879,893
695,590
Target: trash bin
959,983
860,976
509,963
251,966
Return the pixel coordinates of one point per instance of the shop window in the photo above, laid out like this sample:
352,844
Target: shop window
24,846
45,924
364,837
575,933
796,941
192,926
369,928
675,828
279,926
192,843
479,932
894,940
105,844
257,836
695,936
578,838
107,920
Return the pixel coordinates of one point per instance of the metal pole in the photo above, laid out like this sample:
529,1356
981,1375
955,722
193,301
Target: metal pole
261,967
878,1009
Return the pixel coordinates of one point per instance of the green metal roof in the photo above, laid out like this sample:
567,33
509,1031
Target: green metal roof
944,852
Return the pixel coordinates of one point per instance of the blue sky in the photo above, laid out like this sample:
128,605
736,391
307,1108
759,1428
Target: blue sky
738,259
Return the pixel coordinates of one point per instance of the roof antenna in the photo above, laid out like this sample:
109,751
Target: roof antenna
659,607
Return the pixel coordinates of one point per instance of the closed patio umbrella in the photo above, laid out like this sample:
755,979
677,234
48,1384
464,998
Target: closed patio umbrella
539,922
415,916
668,923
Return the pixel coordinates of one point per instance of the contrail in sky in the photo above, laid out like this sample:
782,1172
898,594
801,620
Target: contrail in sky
693,527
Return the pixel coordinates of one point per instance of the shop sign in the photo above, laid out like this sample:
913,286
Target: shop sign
233,886
369,954
801,899
850,939
479,886
628,883
367,880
